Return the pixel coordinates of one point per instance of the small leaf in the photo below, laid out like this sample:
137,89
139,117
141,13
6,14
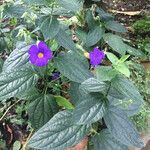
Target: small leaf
113,58
124,58
59,133
94,36
41,110
105,141
73,66
104,15
65,40
90,109
49,26
63,102
17,145
121,128
115,26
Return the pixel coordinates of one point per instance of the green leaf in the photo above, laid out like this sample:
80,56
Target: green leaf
90,109
36,2
63,102
81,35
16,82
105,73
121,128
105,141
113,58
124,58
14,10
104,16
115,26
74,93
134,52
72,5
123,68
17,145
130,107
59,133
30,94
1,64
93,85
41,110
49,26
17,59
65,40
115,42
73,66
125,88
90,19
94,36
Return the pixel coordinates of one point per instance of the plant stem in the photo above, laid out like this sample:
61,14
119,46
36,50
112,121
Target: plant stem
8,110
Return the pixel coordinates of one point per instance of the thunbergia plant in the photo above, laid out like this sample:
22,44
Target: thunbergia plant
76,43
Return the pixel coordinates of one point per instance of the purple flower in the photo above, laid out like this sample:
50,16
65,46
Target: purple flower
55,76
96,57
40,54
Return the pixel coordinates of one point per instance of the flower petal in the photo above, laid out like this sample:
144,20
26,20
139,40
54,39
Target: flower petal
46,51
40,62
33,58
96,56
33,50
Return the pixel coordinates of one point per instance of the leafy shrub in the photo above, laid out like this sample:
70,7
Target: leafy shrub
101,97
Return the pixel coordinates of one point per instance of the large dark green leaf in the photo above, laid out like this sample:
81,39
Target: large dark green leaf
72,5
134,52
49,26
94,36
115,26
125,88
73,66
93,85
121,128
17,59
14,10
41,110
90,19
65,40
90,109
36,2
59,133
1,64
74,93
130,107
16,82
115,42
105,141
